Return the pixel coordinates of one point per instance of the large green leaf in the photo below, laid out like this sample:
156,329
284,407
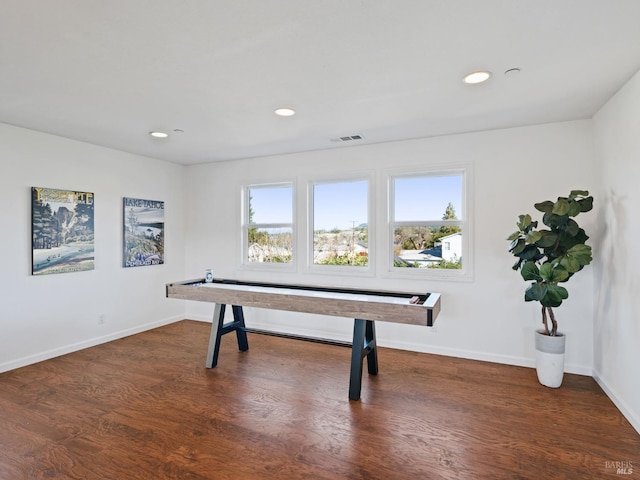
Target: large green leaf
566,241
554,296
578,193
530,271
513,236
586,204
547,239
530,252
563,292
536,292
569,263
574,208
561,207
579,238
553,272
517,246
581,253
572,227
552,220
533,236
546,271
560,274
524,221
575,263
544,207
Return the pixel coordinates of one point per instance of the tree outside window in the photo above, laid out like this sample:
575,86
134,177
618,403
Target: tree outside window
269,224
426,226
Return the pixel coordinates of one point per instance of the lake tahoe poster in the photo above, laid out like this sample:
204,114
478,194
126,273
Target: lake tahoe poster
62,237
143,232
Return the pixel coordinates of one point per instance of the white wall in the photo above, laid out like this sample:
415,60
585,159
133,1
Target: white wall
485,318
48,315
617,309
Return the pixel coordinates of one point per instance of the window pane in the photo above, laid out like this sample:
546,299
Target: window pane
340,223
271,204
428,247
273,245
427,198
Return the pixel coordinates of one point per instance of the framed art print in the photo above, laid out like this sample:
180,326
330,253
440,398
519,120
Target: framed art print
143,242
62,236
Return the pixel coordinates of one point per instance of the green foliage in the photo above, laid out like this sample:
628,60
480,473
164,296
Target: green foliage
346,259
414,238
270,247
398,262
279,259
449,212
448,265
420,238
552,255
444,231
258,236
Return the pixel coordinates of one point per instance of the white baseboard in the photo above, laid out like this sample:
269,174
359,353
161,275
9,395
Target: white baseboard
629,414
74,347
481,356
199,318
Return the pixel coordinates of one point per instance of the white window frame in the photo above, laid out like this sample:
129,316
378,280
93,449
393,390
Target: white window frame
343,270
245,226
464,222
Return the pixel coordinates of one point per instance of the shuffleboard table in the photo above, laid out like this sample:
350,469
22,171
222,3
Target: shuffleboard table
364,306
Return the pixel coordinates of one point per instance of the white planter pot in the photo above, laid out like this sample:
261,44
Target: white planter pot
550,359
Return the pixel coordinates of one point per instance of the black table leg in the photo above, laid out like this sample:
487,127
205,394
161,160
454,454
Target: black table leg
219,328
240,328
364,344
216,335
372,351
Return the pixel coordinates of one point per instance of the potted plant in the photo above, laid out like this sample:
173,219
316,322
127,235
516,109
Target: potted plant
548,257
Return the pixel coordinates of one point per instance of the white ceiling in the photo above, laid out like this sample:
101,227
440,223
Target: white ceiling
108,72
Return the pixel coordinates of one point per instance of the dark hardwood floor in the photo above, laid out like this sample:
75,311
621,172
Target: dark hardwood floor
144,407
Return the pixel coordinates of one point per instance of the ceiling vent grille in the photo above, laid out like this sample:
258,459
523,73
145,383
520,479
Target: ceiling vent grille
348,138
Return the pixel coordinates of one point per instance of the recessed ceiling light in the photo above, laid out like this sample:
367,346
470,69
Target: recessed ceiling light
285,112
156,134
477,77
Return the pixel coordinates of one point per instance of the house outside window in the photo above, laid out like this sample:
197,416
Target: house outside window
339,213
427,223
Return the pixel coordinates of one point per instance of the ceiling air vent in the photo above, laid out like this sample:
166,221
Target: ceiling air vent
347,138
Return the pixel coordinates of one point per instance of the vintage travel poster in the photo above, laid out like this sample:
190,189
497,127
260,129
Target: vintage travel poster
62,234
143,232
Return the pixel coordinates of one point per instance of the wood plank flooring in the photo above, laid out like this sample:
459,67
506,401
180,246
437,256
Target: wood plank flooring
145,408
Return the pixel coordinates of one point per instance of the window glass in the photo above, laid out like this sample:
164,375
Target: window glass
270,245
427,221
270,205
427,197
269,226
340,223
